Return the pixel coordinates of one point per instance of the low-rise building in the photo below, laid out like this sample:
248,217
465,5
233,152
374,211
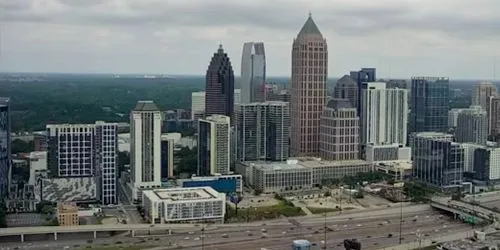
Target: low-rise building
300,173
398,170
387,152
67,214
184,205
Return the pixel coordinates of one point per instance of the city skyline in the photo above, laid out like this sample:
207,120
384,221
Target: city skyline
400,39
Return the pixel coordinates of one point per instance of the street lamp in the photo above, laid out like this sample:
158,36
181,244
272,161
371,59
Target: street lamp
401,217
419,238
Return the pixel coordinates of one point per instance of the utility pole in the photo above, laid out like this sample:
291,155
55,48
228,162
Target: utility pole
401,217
324,213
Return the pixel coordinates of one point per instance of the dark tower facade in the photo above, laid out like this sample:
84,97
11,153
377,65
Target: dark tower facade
219,88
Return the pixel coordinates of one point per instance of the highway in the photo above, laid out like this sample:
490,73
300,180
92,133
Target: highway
371,228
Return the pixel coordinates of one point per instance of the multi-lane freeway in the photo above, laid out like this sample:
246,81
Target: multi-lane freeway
374,229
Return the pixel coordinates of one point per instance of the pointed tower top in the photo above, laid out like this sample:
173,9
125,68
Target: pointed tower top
309,27
221,49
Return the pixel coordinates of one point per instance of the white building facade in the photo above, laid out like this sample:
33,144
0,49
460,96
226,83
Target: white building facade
198,204
145,147
214,145
197,104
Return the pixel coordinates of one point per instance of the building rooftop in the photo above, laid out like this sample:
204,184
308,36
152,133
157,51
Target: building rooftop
218,119
405,165
302,163
309,28
66,208
335,103
433,134
182,194
146,106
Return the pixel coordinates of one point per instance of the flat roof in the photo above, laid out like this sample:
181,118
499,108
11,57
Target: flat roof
407,165
303,163
182,194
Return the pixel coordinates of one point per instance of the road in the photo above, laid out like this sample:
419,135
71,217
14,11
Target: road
371,228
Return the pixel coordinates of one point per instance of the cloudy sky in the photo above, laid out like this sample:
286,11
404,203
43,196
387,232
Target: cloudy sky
401,38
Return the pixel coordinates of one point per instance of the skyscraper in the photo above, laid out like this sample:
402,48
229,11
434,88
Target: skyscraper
253,72
167,157
360,77
472,125
219,88
494,116
85,150
482,93
385,114
197,105
430,98
214,144
262,131
309,76
145,147
347,88
5,142
339,132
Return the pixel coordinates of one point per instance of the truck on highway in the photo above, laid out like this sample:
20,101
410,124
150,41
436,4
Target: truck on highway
301,245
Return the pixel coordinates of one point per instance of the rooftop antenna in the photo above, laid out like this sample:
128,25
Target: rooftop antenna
310,14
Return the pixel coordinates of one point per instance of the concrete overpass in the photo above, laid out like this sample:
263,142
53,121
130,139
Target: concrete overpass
22,231
465,209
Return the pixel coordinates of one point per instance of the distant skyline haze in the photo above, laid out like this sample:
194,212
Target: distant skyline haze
399,38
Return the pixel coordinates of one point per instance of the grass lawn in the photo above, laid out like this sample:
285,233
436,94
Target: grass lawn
263,213
320,210
117,248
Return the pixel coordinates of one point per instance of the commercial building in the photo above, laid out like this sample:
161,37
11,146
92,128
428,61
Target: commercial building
296,174
67,214
437,160
37,162
363,76
167,157
385,114
197,105
5,144
279,95
387,152
214,145
430,97
482,93
398,170
85,150
309,76
347,88
227,184
262,131
145,147
219,88
486,165
472,125
494,116
339,131
253,72
198,204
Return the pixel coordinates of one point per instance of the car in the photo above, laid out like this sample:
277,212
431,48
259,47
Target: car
186,238
191,233
313,244
369,236
250,234
263,236
316,232
263,230
389,236
225,236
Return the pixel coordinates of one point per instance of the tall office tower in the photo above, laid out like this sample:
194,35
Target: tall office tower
253,73
494,116
472,126
85,150
219,88
347,88
482,93
106,161
262,131
385,114
145,147
339,131
364,75
309,76
237,96
437,160
197,105
429,104
214,144
167,157
5,143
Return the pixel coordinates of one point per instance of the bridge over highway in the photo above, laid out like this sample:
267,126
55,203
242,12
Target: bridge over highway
465,209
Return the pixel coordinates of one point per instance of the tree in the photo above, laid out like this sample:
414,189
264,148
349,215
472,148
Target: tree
20,146
3,221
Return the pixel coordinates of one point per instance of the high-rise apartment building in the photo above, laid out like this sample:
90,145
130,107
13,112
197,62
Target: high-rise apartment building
429,104
85,150
262,131
360,77
197,105
385,114
145,147
347,88
437,160
482,93
472,125
309,76
453,117
214,144
339,131
253,73
219,88
5,143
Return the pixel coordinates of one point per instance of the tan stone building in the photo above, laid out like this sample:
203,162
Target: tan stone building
67,214
308,92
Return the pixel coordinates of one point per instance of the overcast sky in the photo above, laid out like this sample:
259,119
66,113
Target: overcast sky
401,38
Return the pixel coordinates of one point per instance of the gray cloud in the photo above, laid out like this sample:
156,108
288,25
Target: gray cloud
358,28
